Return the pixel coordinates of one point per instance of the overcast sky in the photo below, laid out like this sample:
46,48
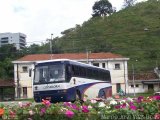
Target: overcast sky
39,18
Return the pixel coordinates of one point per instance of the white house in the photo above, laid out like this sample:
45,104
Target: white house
143,82
18,39
116,63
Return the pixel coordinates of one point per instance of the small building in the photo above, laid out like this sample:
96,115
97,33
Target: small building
116,63
17,39
7,90
143,83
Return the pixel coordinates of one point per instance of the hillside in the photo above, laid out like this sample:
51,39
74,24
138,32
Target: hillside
133,32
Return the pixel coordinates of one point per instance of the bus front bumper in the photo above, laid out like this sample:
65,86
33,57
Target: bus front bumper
54,96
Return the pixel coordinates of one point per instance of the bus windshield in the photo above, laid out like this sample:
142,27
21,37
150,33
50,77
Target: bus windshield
49,74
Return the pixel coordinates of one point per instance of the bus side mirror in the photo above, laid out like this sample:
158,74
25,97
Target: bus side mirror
74,81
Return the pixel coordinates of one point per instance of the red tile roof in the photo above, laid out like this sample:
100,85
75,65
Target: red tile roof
143,76
74,56
7,83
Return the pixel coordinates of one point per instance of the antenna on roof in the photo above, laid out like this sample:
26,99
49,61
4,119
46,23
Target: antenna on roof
50,44
87,55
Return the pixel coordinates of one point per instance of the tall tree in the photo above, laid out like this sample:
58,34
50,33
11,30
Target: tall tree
8,53
129,3
102,8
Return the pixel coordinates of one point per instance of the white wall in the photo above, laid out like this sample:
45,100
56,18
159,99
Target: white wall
24,79
141,89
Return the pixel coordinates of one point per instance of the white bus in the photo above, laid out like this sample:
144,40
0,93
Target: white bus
67,80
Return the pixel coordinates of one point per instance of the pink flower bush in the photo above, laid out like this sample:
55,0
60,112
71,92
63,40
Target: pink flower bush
67,104
31,112
75,107
12,114
156,97
85,109
46,102
132,107
20,104
140,99
69,113
157,116
43,111
93,101
90,109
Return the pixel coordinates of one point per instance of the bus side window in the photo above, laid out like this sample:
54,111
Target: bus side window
89,73
43,75
68,72
74,70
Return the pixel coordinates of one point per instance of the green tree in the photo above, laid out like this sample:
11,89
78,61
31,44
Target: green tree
2,71
8,53
34,48
102,8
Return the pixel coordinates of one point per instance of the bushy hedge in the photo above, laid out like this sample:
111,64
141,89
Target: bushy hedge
146,108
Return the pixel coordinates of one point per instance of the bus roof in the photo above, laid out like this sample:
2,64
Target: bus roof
70,61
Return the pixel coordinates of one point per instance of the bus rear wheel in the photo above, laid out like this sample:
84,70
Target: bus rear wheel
102,94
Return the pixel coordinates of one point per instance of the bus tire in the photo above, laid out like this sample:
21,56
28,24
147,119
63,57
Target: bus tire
103,95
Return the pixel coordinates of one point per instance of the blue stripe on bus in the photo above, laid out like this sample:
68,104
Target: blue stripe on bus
59,95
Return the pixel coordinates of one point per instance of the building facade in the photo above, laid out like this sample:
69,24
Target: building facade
143,83
117,65
17,39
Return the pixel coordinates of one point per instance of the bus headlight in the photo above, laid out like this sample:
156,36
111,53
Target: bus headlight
65,90
62,91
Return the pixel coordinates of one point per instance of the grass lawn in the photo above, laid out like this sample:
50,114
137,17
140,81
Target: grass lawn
141,94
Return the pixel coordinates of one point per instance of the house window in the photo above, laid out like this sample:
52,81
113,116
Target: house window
96,64
117,66
103,65
132,86
137,85
25,69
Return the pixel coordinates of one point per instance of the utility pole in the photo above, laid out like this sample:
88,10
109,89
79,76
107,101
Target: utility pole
157,71
125,78
18,85
50,42
133,79
87,56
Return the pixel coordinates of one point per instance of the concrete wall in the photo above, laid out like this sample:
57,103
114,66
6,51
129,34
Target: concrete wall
142,88
24,79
